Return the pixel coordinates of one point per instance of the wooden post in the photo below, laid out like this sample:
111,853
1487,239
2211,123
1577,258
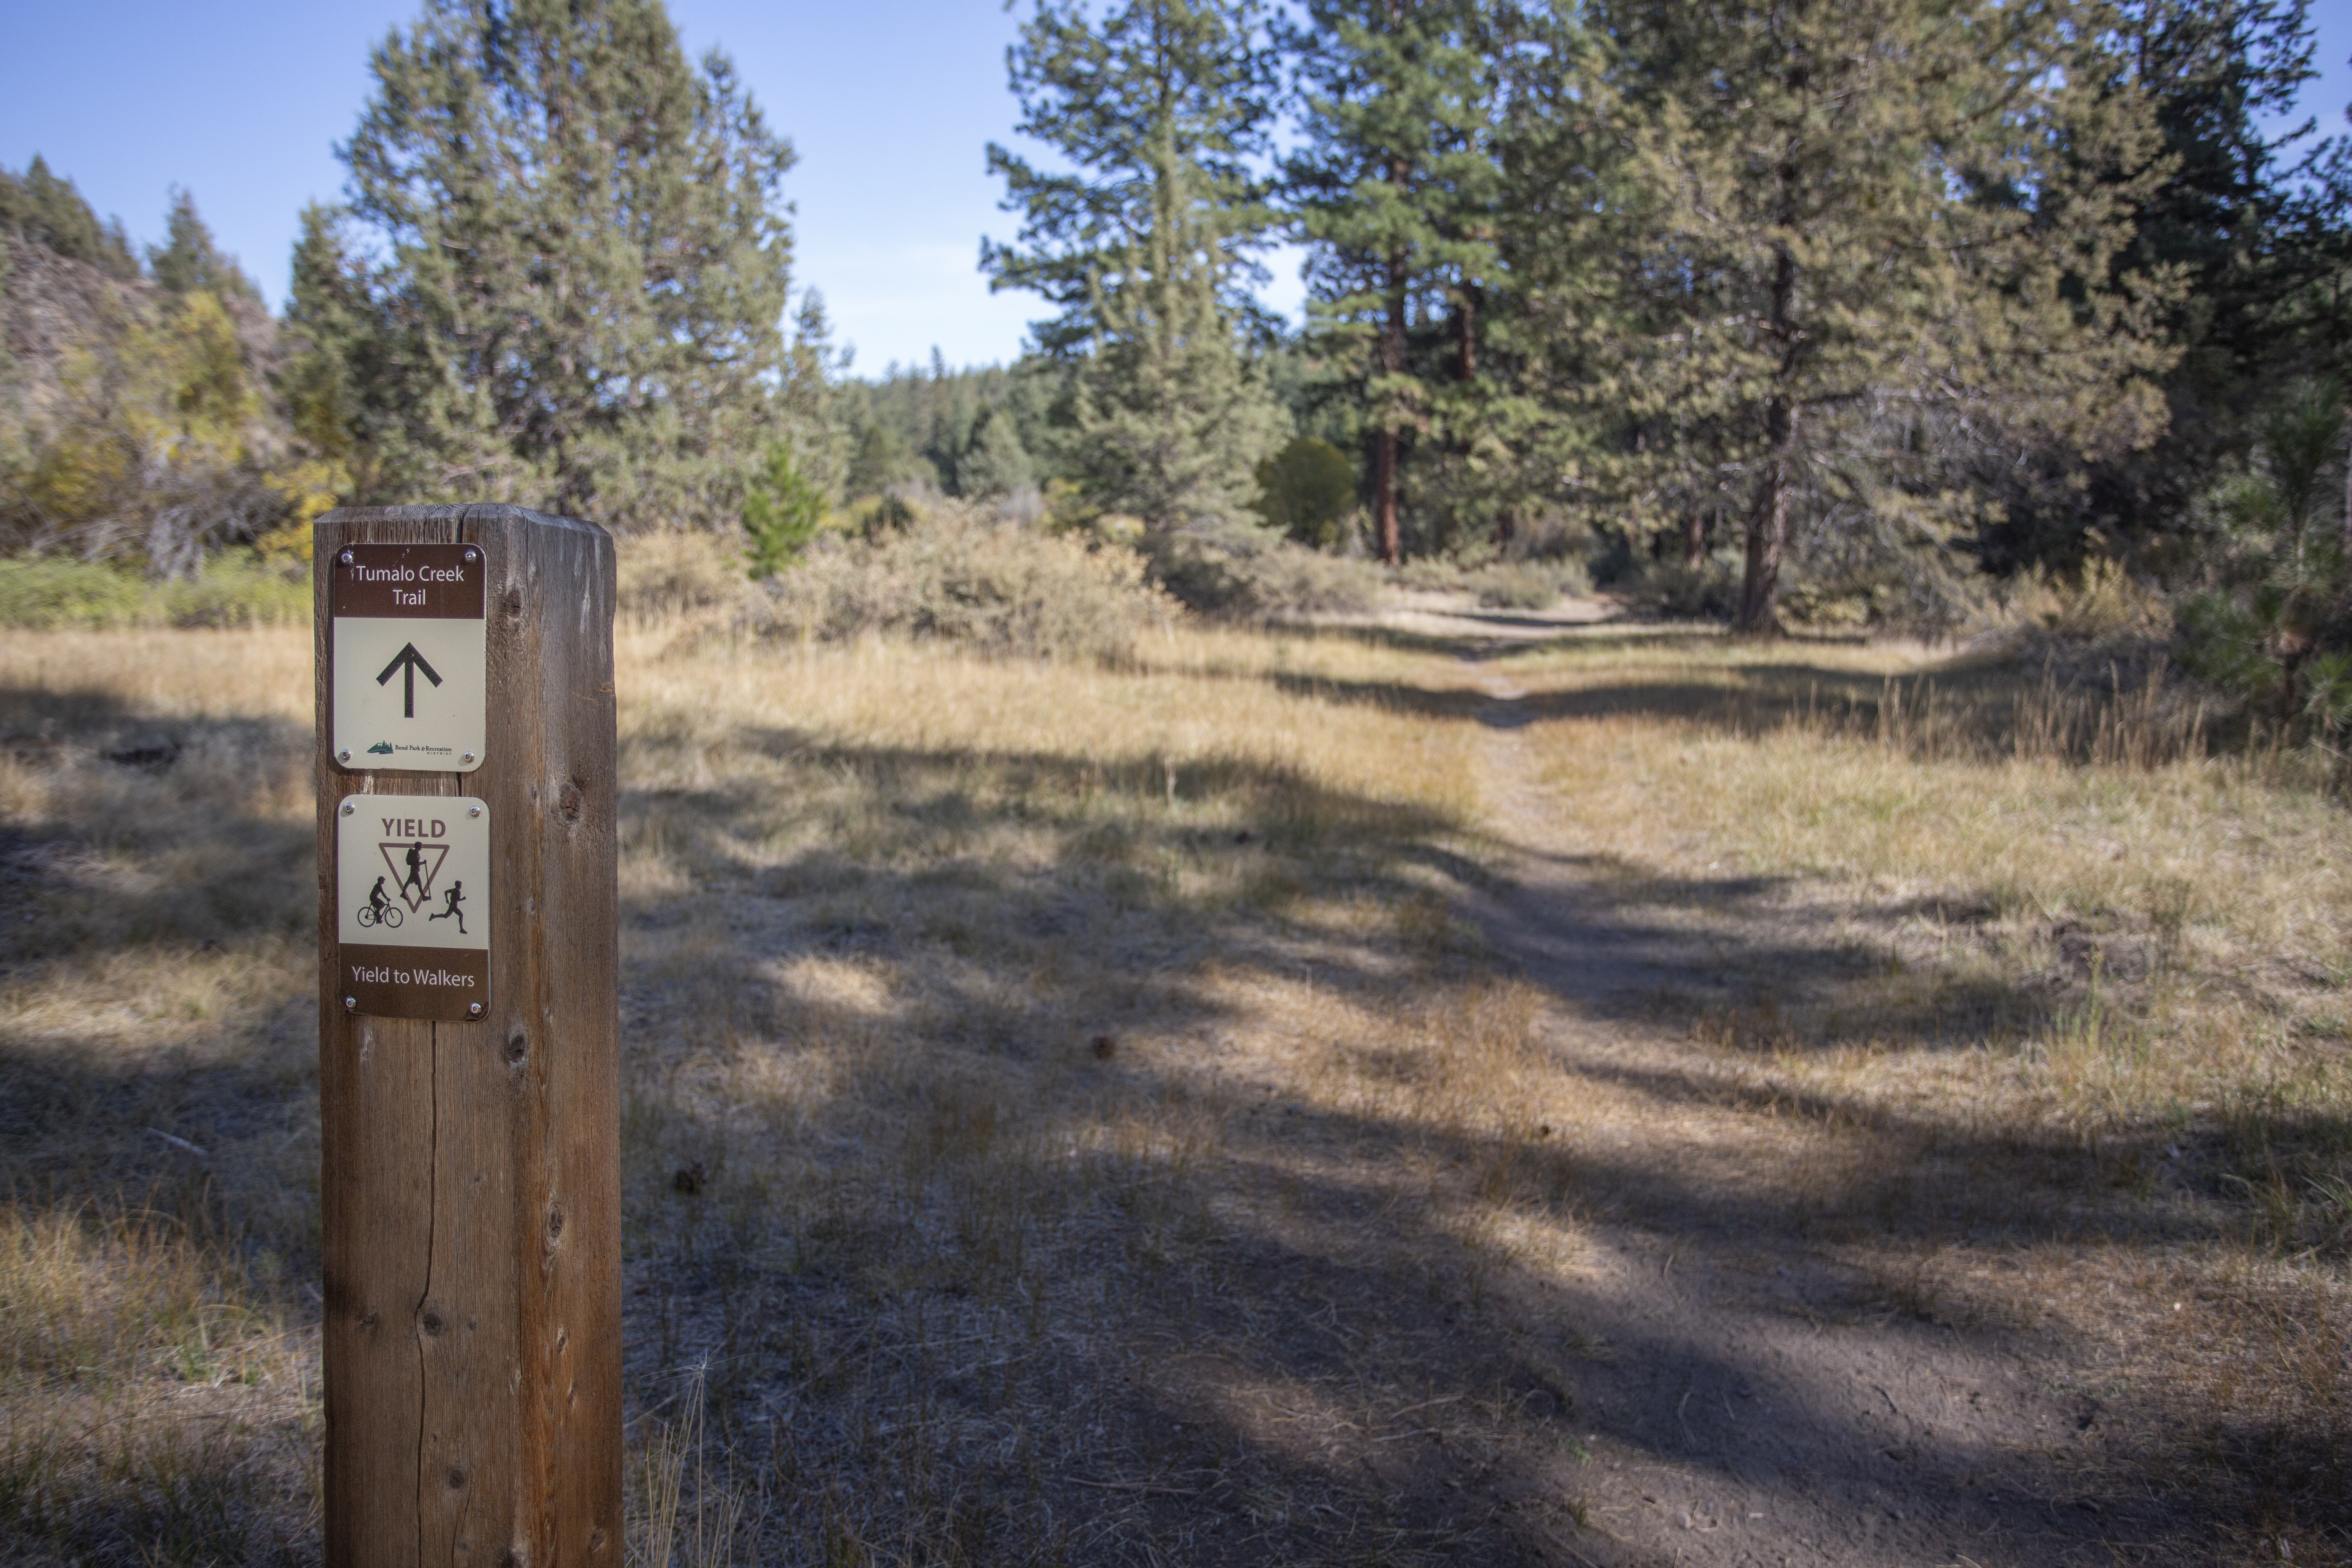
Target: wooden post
469,1171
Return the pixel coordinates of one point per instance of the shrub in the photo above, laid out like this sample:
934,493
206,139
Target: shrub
1306,490
47,592
1430,574
952,574
1527,585
677,573
1242,575
1709,590
238,590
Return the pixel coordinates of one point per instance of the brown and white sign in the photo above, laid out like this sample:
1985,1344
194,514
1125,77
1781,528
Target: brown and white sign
412,905
411,665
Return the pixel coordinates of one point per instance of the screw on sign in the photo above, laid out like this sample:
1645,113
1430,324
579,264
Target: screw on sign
468,1039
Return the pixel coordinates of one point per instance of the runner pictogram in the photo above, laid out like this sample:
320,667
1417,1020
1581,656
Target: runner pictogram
455,896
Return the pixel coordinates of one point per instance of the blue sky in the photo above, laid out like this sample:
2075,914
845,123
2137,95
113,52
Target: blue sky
890,103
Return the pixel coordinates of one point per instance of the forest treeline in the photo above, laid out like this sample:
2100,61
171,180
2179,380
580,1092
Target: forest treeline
1819,309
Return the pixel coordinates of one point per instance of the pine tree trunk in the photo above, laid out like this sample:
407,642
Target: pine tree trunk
1768,532
1384,500
1384,457
1693,538
1768,523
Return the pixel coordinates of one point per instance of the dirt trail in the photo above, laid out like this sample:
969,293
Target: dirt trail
1746,1394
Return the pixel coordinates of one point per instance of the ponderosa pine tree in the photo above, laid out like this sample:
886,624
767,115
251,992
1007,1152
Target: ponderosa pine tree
1172,419
995,463
49,211
572,289
189,259
1395,189
2256,222
1855,232
1160,105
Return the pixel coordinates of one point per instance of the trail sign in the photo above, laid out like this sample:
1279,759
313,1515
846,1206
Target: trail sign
412,905
411,659
469,1098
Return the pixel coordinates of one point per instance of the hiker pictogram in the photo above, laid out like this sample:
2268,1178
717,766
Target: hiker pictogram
454,897
409,664
415,863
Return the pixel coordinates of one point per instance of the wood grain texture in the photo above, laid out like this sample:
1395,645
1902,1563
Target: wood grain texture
469,1172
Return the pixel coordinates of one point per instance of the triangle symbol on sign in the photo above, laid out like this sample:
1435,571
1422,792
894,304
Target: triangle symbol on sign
395,858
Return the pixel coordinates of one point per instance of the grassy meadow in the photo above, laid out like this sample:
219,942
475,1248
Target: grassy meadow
1170,1110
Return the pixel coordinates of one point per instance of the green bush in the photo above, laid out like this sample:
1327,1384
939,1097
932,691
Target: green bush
49,592
1306,490
44,592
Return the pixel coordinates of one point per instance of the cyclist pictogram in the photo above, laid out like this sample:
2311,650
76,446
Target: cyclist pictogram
379,910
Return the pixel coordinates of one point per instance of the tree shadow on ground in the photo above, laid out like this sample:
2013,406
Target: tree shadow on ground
1070,1308
1014,1258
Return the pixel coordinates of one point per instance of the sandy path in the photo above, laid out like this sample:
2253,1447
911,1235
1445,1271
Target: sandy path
1748,1398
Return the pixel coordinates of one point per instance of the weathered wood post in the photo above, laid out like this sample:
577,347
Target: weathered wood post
468,1039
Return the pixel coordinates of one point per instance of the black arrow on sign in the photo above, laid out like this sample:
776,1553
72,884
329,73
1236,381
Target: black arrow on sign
410,664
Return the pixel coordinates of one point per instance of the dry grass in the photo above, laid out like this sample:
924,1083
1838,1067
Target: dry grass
1070,1117
158,1380
2082,1029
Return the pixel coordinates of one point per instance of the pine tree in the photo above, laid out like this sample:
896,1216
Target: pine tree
1396,190
1858,233
50,212
878,461
1170,419
994,462
1157,90
583,274
190,260
1159,104
2253,221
